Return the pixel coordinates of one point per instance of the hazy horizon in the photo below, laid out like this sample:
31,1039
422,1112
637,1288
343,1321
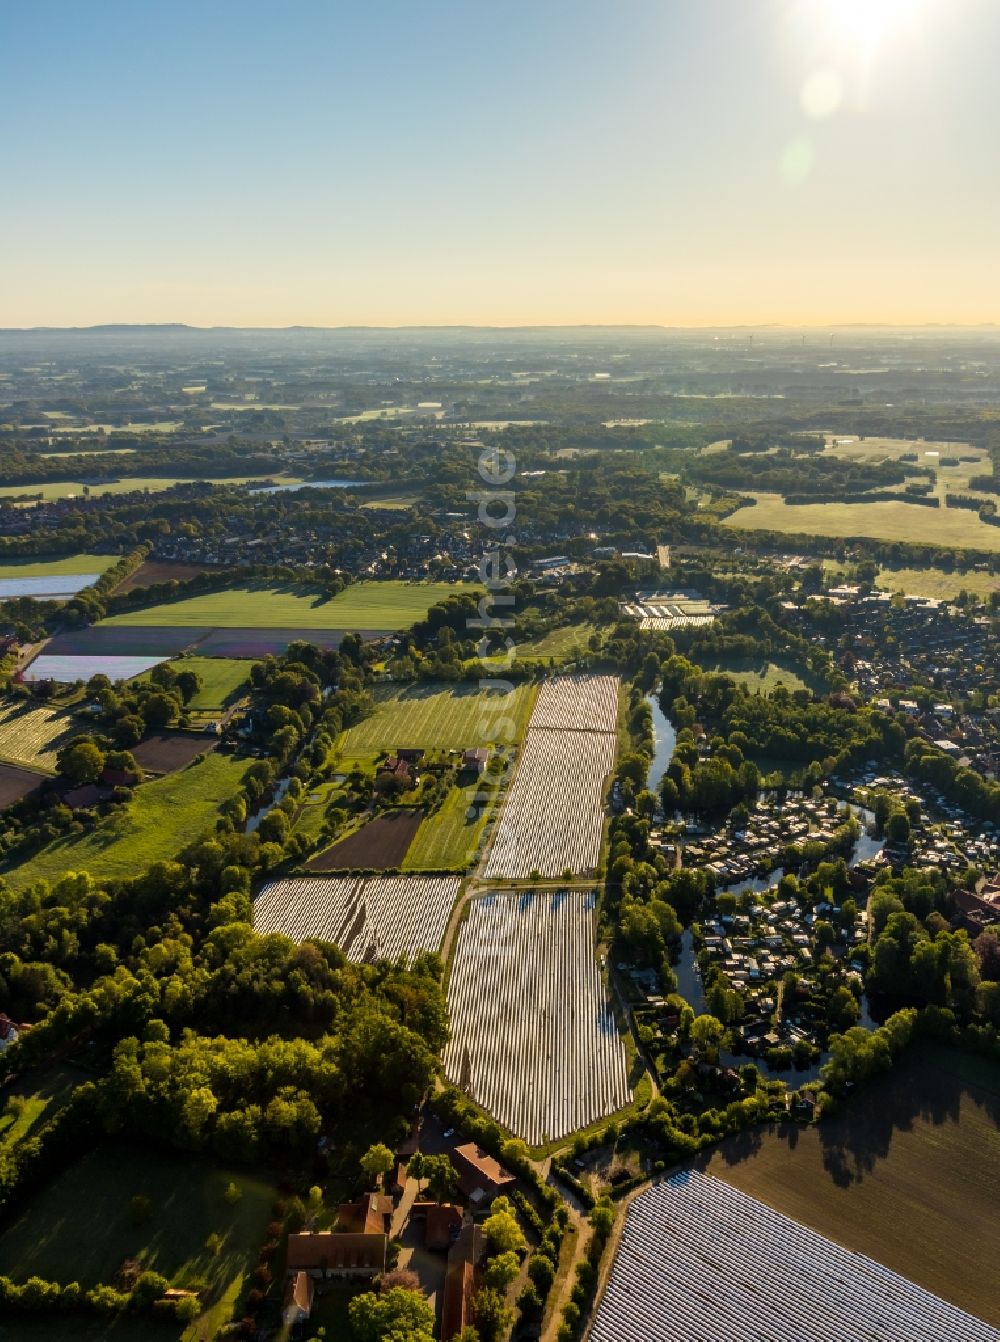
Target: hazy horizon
802,163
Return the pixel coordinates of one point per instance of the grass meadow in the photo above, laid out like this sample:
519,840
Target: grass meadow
954,528
33,1099
433,717
79,1227
222,679
764,676
447,839
155,484
163,817
62,567
909,1174
364,605
936,583
558,643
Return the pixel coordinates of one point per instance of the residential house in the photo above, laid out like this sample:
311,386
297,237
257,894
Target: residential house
297,1303
480,1177
329,1255
475,761
370,1214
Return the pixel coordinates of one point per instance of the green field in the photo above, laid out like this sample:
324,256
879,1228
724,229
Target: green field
929,455
34,1098
936,583
64,566
956,528
396,504
558,643
447,839
163,817
71,489
363,605
222,678
96,450
764,676
79,1226
910,1175
431,717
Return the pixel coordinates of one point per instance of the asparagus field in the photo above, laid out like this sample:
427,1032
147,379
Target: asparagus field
378,917
534,1040
552,820
699,1259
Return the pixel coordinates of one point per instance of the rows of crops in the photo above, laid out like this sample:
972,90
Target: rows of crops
699,1259
368,918
33,735
552,819
553,816
434,717
533,1038
578,703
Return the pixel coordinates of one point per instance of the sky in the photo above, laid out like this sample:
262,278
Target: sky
386,162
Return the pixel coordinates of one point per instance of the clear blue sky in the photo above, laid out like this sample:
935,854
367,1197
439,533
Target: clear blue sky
334,161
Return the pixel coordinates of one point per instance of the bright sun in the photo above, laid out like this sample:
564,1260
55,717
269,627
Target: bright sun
868,23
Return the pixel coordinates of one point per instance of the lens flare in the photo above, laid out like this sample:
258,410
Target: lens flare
871,23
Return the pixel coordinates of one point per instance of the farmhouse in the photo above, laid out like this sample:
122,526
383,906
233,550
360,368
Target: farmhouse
442,1224
480,1177
461,1281
369,1214
475,761
395,770
328,1255
297,1303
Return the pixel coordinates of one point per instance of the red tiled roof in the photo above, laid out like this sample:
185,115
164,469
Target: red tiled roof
366,1215
332,1251
443,1224
472,1161
299,1292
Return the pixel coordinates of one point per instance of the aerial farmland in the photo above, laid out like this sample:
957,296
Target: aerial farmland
32,735
699,1259
552,820
381,917
448,717
534,1040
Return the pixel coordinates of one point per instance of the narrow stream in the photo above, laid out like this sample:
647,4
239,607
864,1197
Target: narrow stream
279,791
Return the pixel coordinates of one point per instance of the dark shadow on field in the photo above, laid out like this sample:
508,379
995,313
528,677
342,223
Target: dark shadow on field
737,1148
16,783
454,689
931,1085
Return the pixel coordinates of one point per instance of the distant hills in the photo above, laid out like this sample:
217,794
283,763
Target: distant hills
184,328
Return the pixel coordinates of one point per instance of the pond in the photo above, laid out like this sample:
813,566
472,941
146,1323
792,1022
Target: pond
310,484
664,743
